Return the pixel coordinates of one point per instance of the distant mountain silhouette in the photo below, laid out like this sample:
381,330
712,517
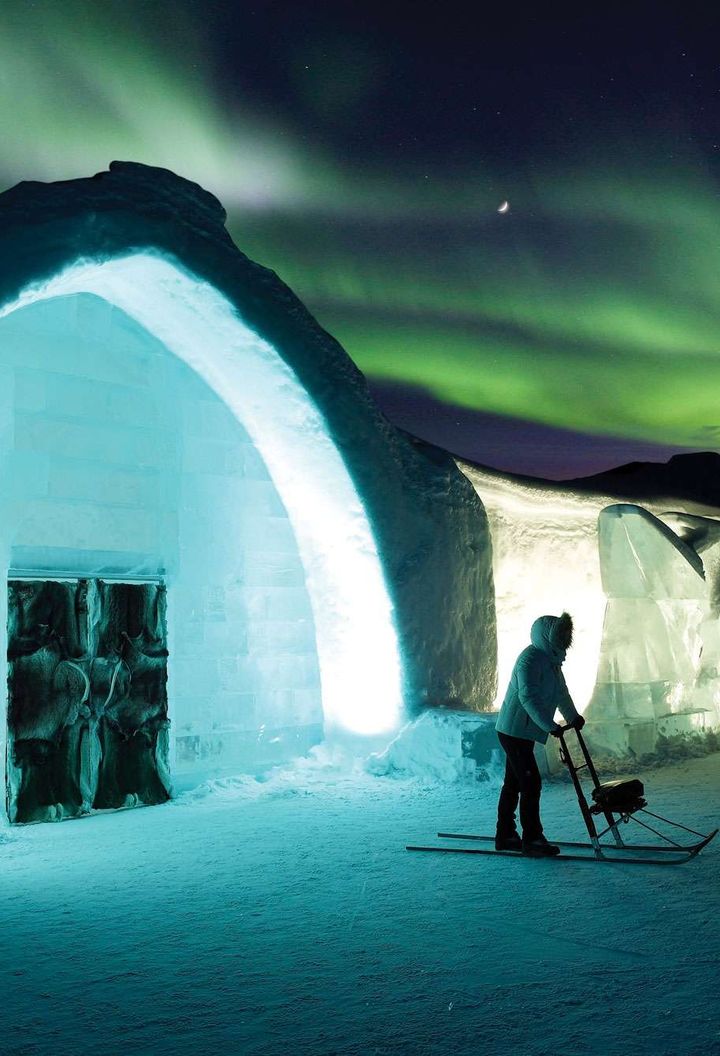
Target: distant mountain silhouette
694,476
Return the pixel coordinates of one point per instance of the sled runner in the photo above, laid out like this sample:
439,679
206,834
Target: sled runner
618,802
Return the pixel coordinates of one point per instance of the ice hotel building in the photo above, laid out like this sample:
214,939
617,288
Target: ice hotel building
218,552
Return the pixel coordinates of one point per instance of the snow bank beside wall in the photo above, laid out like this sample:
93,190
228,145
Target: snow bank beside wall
442,746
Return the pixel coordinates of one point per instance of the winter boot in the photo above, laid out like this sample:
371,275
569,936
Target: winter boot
539,848
509,842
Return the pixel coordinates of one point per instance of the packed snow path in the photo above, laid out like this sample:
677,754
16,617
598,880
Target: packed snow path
280,919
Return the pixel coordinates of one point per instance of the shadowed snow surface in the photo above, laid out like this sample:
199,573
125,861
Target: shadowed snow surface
286,917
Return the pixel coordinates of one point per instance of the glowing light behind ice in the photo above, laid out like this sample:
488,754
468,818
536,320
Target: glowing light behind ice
545,560
357,643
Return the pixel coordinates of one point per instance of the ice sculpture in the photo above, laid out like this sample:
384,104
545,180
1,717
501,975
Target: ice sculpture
134,718
47,699
87,714
657,603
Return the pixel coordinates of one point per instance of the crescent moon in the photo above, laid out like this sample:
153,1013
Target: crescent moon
504,207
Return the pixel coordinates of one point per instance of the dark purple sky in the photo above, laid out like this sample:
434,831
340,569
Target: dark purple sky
511,444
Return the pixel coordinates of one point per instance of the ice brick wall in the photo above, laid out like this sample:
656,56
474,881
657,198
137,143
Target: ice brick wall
244,637
117,458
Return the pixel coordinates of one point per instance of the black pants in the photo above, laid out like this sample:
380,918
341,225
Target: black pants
523,782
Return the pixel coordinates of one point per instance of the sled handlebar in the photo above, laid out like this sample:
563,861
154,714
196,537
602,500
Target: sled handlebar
564,729
567,758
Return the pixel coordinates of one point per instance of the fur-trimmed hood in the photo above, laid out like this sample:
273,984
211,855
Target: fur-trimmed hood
553,634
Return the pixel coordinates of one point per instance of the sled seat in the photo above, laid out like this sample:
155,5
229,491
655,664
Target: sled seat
621,797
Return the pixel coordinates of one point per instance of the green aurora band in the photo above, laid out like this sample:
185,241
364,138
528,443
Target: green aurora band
592,305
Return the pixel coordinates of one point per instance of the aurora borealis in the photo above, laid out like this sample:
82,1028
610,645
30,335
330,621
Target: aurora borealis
364,159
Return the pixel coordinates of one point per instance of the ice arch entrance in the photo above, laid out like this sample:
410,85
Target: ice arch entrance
357,648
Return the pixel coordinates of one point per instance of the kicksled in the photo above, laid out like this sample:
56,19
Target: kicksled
615,802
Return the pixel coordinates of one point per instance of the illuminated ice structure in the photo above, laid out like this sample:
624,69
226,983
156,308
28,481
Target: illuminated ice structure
172,419
219,552
646,605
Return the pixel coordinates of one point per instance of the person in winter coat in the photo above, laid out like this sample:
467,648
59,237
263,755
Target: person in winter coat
537,689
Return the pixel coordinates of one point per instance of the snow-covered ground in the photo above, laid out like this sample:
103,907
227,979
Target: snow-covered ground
285,917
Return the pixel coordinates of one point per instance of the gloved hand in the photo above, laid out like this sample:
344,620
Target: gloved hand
557,731
578,723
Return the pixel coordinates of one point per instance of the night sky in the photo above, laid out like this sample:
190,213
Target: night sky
363,150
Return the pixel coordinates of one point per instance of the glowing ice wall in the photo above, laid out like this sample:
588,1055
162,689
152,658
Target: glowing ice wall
545,560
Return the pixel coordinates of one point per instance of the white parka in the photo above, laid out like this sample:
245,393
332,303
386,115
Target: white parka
537,688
